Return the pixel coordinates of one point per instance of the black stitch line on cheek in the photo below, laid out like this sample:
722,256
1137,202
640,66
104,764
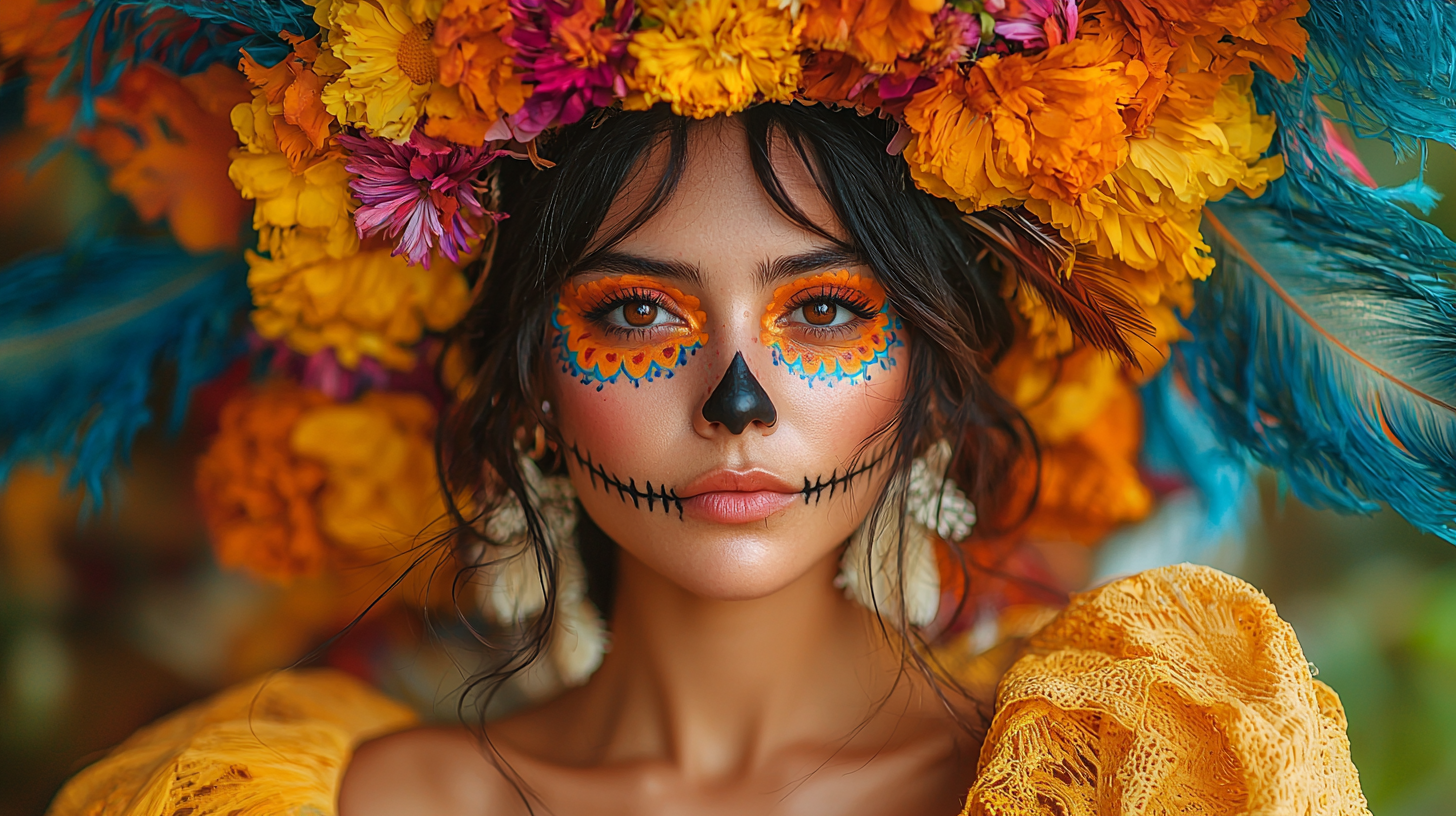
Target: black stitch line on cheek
629,489
842,483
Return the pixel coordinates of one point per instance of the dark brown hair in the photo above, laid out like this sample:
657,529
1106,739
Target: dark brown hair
931,263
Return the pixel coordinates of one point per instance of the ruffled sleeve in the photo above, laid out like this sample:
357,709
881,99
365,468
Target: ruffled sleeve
1176,691
277,746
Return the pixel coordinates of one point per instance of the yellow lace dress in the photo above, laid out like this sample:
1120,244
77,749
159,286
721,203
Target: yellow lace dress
1176,691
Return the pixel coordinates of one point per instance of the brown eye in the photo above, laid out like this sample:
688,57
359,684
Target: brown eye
639,313
820,313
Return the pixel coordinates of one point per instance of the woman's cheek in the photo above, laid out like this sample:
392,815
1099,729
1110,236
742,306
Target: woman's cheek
630,428
839,420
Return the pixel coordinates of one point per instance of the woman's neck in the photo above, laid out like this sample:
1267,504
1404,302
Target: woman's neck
717,688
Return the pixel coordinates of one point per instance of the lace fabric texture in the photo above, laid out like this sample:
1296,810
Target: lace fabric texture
1176,691
274,747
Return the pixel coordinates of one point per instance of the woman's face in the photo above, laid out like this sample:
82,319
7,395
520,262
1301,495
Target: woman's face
718,376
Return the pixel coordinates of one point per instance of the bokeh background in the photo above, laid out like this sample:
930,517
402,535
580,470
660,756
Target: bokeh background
112,618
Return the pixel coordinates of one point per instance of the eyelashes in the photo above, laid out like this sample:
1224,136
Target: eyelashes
828,313
661,312
852,299
604,303
600,337
804,330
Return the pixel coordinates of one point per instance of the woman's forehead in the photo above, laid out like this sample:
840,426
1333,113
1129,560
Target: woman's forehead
719,209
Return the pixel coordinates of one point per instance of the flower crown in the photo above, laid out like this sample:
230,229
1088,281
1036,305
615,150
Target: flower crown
1087,140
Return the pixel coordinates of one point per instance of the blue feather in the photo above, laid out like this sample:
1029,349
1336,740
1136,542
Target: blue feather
120,33
1324,342
1328,355
81,338
1179,441
262,16
1391,65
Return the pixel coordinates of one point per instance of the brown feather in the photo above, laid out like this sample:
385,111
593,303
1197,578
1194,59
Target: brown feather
1076,286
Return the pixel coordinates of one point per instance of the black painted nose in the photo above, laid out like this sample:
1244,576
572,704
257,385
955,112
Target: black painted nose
739,400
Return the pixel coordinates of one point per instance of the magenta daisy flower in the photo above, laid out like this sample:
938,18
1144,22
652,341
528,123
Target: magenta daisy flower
420,193
1035,23
572,55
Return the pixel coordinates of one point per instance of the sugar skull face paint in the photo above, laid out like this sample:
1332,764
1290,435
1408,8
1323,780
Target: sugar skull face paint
627,325
832,327
727,504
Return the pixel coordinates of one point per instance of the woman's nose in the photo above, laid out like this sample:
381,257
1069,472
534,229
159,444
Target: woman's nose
739,401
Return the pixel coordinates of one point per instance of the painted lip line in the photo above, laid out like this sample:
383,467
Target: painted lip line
737,497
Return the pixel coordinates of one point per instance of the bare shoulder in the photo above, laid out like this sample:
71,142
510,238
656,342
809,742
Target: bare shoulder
424,772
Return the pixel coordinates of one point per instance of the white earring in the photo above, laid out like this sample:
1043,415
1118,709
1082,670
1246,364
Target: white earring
512,593
934,507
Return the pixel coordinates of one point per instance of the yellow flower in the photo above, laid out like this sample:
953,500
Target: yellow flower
1087,418
391,65
381,491
714,56
317,199
1204,143
366,304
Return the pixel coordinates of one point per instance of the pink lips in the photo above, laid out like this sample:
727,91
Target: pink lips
737,497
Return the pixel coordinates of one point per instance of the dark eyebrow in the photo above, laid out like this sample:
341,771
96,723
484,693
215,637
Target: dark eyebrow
819,258
622,263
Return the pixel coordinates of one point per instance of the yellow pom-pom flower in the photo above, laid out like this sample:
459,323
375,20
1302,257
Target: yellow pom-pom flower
710,57
381,492
317,198
366,304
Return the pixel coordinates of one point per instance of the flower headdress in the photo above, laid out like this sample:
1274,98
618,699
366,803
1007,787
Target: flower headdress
1195,258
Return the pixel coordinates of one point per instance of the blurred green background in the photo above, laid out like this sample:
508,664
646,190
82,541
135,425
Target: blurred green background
107,624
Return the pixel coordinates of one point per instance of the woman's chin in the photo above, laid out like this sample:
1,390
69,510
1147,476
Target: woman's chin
732,562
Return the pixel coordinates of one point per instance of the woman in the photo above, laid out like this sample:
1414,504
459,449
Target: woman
725,416
719,488
739,677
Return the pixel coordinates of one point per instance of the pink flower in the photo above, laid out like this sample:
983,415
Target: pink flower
1035,23
418,193
957,35
572,55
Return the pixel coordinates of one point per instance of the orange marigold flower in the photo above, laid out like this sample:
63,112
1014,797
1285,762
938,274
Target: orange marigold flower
257,495
1207,140
476,62
875,32
1045,126
166,141
291,92
41,34
1226,37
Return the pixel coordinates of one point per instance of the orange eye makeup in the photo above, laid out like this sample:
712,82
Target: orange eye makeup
625,326
832,327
